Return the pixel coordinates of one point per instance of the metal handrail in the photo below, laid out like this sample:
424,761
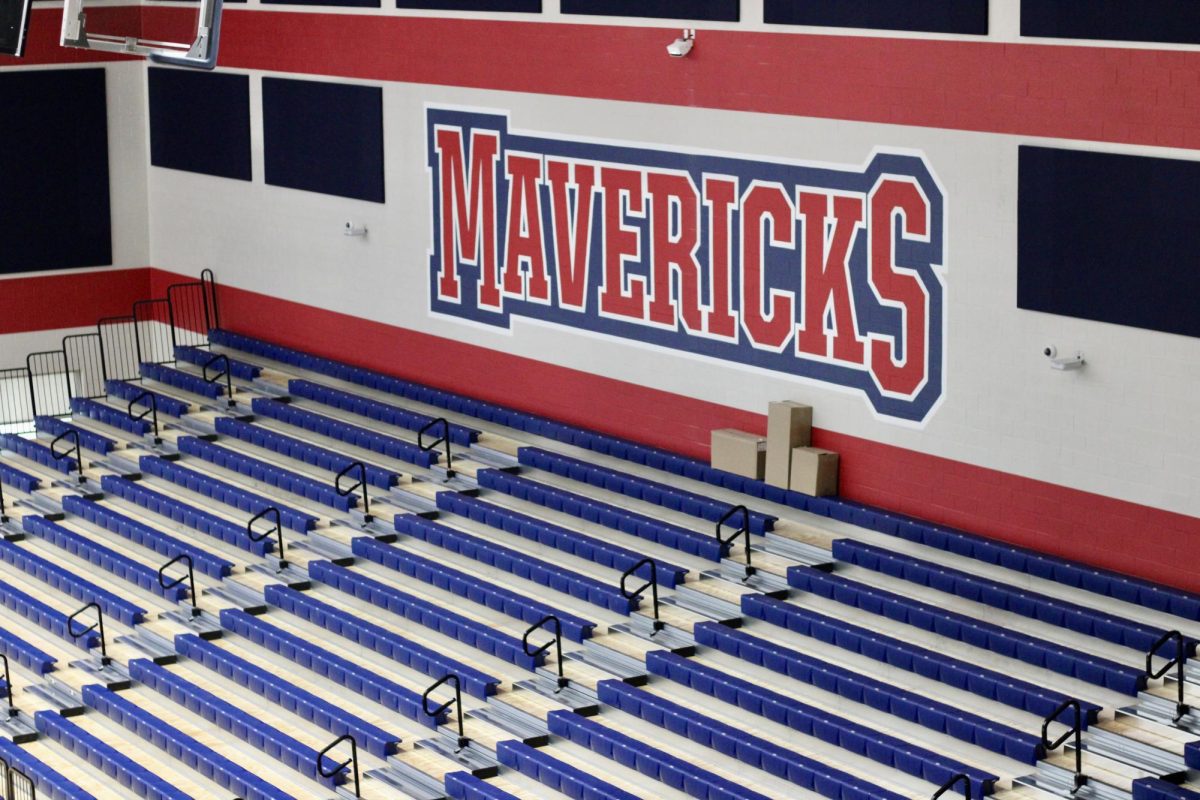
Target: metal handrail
352,760
226,373
456,702
445,437
742,531
652,585
556,641
8,690
255,536
190,578
99,623
3,510
1177,661
1075,730
362,481
152,410
71,435
949,785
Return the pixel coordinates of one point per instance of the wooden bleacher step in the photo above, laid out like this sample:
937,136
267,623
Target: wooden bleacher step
1160,703
1106,779
1142,743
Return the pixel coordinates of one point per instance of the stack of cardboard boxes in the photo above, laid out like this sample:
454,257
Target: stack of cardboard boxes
785,458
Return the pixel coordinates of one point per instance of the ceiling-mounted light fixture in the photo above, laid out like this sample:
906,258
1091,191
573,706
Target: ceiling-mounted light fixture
683,45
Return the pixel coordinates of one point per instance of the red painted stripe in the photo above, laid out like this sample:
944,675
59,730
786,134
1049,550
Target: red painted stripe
45,26
74,300
1065,91
1127,537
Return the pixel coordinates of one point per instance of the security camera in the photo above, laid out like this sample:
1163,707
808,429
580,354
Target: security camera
683,45
1066,363
354,230
1050,352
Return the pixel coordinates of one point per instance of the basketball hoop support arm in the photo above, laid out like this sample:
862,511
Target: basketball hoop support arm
200,54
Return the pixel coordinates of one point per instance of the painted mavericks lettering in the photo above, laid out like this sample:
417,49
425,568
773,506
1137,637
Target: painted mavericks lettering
827,273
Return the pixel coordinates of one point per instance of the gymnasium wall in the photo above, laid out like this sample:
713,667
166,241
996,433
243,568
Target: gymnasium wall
1097,464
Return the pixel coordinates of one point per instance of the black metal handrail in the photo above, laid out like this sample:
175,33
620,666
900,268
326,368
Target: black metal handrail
652,585
9,783
99,623
455,702
32,373
8,689
255,536
226,373
949,785
556,641
1075,730
87,370
71,435
3,510
335,770
1177,661
444,438
362,482
190,578
742,531
152,411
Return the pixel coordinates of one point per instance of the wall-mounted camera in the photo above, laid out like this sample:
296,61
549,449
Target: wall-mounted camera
1066,363
351,229
683,45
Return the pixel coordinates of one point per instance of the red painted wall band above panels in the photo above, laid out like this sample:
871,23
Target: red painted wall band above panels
1114,534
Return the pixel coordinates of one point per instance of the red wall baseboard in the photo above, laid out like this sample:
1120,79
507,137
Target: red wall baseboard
1105,532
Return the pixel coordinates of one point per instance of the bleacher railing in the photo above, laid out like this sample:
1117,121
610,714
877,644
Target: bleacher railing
8,687
151,410
349,490
72,436
652,585
949,785
15,784
352,761
226,373
1177,661
1075,730
85,362
454,702
276,531
98,624
556,627
444,438
185,559
743,531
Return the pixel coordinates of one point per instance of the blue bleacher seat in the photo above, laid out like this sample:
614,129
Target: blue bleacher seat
465,786
87,440
1191,754
301,450
114,418
978,633
22,652
611,516
1158,789
1027,603
382,641
19,479
241,781
118,766
380,412
165,545
351,674
48,781
558,775
271,686
184,513
516,562
43,615
432,615
68,583
199,357
263,472
635,486
354,435
170,406
182,380
862,740
589,548
38,453
224,492
853,685
498,598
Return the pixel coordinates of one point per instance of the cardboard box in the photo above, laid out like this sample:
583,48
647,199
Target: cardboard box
789,425
739,452
814,471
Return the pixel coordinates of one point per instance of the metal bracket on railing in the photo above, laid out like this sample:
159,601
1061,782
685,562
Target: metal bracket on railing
226,373
362,481
1180,657
652,585
445,437
8,689
353,760
99,623
1075,730
190,577
72,436
152,411
950,784
556,641
742,531
456,702
255,536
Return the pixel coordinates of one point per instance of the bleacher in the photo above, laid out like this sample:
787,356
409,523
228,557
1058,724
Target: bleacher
215,612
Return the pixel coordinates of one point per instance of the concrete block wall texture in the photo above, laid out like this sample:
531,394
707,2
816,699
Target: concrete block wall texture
1096,464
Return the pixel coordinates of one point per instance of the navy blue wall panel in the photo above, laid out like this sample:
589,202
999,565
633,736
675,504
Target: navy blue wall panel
931,16
1110,238
200,122
1121,20
324,137
54,204
528,6
709,10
